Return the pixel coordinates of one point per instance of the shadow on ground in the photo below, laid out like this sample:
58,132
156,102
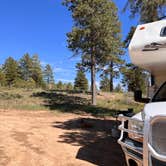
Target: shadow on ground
73,104
95,138
94,135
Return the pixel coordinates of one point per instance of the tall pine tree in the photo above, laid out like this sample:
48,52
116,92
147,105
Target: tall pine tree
134,78
81,82
25,65
60,85
105,83
48,75
11,71
2,77
69,86
95,34
36,71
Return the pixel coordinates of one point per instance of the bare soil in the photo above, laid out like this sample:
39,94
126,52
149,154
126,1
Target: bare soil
42,138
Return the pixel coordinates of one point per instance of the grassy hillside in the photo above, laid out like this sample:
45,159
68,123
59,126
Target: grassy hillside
108,103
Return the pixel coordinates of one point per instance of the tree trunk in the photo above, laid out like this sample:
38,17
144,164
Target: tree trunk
111,77
93,80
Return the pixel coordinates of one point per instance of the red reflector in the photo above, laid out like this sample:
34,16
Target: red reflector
142,28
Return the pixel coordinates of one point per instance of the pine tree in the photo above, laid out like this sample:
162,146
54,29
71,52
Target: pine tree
95,34
105,83
149,11
2,78
112,70
129,36
48,74
81,83
25,66
69,86
59,85
11,71
134,78
36,71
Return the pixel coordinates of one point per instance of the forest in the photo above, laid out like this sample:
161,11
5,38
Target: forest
97,38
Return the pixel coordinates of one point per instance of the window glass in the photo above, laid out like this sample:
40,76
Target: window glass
160,95
163,32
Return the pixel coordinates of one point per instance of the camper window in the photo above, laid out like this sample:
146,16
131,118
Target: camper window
163,32
161,94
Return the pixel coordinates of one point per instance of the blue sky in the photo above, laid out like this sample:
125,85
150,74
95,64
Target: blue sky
40,26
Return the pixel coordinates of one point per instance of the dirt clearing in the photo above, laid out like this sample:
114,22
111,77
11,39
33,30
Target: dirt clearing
42,138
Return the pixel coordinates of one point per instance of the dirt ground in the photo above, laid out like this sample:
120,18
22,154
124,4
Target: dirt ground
40,138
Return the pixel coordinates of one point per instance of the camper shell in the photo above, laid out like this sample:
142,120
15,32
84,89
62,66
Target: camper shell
147,49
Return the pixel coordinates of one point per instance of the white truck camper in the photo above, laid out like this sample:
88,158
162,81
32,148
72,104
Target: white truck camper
143,136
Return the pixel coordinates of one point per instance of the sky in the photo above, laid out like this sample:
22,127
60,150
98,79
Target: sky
40,27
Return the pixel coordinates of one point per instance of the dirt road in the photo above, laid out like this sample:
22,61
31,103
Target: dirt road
29,138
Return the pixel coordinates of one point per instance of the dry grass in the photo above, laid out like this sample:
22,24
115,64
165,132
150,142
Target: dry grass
23,99
20,99
119,101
